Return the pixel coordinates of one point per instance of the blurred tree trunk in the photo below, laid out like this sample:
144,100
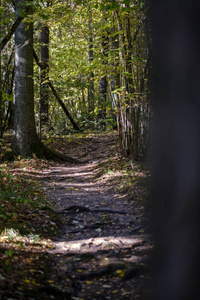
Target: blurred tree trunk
176,150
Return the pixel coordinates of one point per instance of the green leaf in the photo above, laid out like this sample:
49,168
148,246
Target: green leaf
9,252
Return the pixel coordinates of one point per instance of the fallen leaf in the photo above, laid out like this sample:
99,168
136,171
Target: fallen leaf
120,273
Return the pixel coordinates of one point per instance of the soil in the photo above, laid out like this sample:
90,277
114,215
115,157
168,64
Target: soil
101,250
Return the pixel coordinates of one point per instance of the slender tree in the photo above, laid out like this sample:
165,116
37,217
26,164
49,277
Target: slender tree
66,111
115,75
24,137
103,87
44,73
91,58
1,100
133,110
103,82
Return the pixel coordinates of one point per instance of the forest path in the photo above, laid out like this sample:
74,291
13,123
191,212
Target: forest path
102,248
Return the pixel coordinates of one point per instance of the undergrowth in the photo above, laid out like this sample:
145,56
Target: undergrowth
22,201
124,174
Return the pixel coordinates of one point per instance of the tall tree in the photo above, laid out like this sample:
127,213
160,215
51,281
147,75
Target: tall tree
103,85
1,100
40,64
24,134
44,73
115,74
91,58
133,109
103,82
25,141
8,27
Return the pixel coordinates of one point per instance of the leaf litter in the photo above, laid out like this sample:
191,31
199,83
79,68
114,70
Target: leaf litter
81,231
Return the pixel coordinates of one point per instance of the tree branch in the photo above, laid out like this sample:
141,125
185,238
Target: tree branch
10,33
40,64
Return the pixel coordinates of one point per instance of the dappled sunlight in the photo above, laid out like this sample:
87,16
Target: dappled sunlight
93,245
12,239
67,226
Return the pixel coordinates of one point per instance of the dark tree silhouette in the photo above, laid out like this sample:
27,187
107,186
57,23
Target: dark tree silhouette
176,101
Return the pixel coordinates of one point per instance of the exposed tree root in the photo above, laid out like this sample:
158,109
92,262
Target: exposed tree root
80,209
39,150
43,152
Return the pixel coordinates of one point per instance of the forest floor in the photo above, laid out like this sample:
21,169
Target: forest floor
81,231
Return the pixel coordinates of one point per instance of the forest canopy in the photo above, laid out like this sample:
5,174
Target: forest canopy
91,69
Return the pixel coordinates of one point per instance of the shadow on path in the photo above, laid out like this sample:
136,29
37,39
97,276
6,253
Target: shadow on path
101,248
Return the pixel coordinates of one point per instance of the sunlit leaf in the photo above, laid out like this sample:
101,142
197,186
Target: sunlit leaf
120,273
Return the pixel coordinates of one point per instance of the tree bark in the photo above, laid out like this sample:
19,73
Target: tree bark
1,100
25,141
24,133
115,76
44,77
91,58
103,85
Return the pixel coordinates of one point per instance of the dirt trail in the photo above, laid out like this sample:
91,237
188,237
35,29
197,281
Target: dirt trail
102,249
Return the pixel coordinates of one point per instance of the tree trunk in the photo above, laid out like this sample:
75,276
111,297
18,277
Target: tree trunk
115,76
44,73
8,88
103,85
25,141
75,126
176,150
10,33
133,99
24,134
1,100
91,58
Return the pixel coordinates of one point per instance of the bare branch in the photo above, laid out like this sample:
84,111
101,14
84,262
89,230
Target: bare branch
40,64
10,33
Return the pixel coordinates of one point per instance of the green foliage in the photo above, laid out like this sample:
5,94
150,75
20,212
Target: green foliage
9,252
78,62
